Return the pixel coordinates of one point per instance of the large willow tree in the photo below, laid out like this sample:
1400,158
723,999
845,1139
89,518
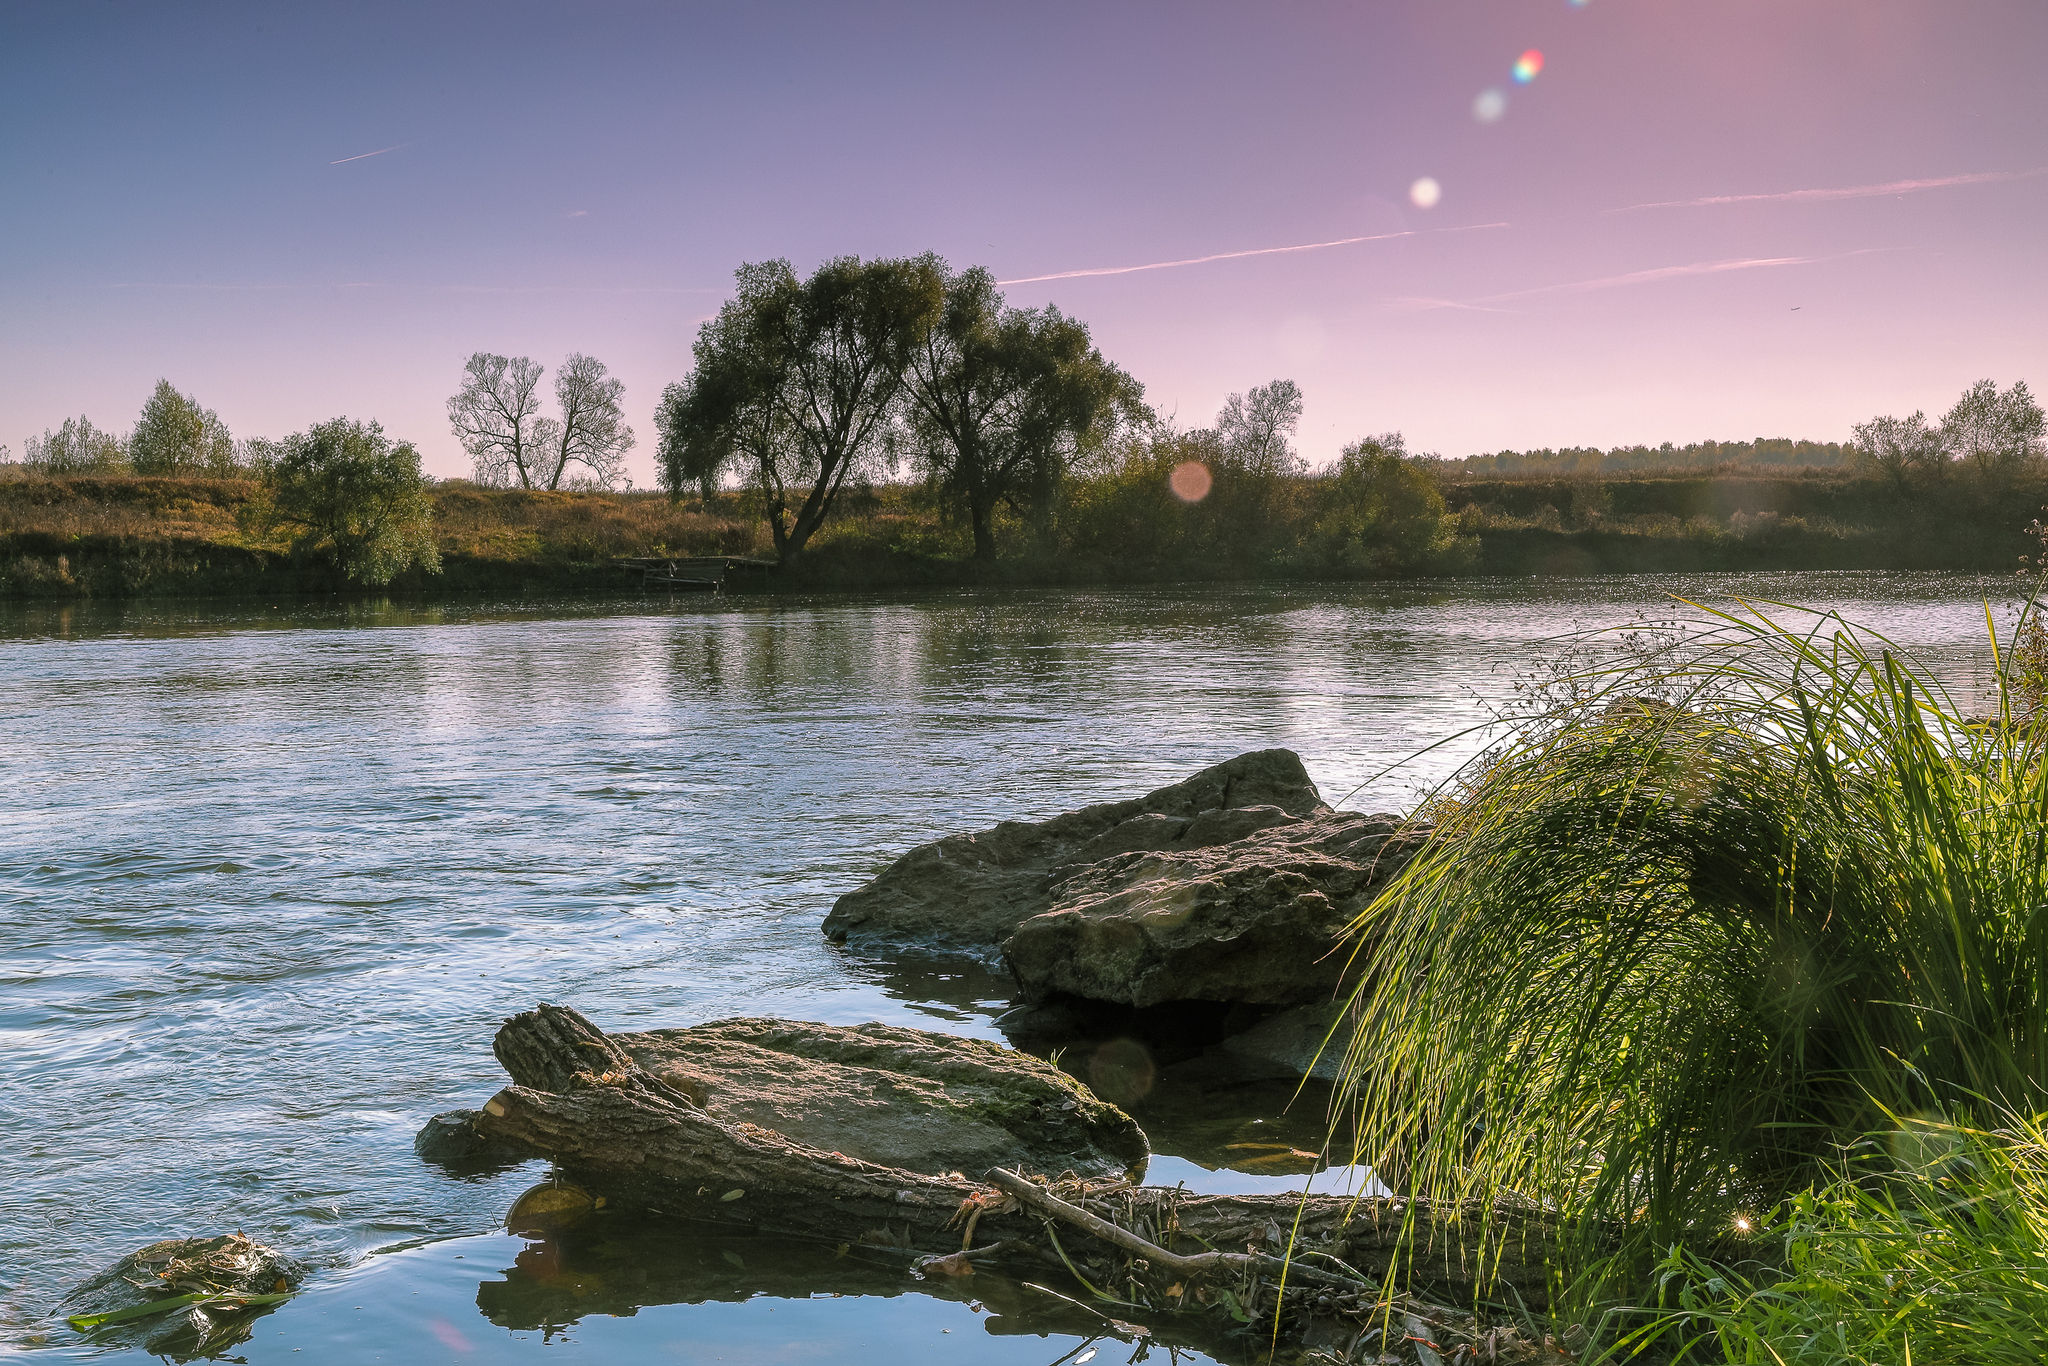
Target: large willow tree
796,385
999,398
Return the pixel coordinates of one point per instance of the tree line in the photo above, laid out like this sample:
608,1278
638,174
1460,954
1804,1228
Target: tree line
173,436
1996,437
341,492
806,388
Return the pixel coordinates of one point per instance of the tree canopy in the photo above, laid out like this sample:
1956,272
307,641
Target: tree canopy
1999,435
999,398
175,436
77,447
346,491
796,384
1896,448
1253,430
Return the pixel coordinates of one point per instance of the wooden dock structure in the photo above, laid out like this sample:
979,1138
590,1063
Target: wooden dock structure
696,573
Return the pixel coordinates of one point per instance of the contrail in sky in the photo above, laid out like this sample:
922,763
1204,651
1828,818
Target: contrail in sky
1643,277
1844,192
1637,277
378,153
1234,255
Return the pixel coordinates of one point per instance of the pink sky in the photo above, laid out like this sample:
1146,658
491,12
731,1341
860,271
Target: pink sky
1704,219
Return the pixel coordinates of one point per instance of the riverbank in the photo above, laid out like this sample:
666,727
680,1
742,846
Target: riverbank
136,537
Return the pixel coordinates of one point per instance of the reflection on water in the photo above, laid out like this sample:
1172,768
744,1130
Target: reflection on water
272,874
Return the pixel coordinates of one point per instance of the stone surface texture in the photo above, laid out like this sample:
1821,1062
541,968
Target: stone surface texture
966,893
898,1097
1257,920
1232,886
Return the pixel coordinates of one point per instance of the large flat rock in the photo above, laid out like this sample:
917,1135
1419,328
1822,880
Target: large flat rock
906,1098
967,893
1257,920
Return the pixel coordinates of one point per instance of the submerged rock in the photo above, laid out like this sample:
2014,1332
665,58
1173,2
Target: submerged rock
967,893
896,1097
1307,1041
451,1140
230,1264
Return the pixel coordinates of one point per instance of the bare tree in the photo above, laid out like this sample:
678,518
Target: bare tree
591,432
496,415
1253,429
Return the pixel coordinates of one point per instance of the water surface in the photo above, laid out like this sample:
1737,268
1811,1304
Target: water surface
274,873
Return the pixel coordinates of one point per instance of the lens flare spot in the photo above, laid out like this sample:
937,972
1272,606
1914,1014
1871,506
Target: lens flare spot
1425,193
1580,4
1189,481
1527,65
1490,105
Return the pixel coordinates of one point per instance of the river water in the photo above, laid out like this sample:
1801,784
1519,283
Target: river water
272,875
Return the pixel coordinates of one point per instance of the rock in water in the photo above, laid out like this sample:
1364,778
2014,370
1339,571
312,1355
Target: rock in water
967,893
897,1097
1256,920
227,1265
450,1140
1233,886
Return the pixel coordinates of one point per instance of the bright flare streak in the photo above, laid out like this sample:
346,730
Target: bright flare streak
1527,65
1845,192
1425,193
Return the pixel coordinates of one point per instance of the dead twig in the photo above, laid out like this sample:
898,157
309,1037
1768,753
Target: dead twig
1201,1264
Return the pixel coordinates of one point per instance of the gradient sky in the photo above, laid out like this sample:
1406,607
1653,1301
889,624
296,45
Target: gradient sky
204,193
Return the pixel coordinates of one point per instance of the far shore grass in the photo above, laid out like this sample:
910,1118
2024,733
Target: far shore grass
137,536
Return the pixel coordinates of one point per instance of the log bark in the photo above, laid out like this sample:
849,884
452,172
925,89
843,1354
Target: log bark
643,1145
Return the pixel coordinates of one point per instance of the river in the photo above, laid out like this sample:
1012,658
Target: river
274,873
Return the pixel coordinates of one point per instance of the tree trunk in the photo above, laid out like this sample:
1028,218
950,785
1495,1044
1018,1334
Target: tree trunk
984,530
644,1145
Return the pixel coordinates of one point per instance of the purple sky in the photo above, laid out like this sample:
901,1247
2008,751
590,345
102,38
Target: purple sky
181,201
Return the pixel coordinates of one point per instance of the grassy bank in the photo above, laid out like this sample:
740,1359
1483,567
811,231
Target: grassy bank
129,536
1733,956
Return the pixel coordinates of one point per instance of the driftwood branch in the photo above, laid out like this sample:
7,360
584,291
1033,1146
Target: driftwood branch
1200,1264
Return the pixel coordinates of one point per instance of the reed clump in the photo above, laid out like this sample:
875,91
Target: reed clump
1930,1248
1755,894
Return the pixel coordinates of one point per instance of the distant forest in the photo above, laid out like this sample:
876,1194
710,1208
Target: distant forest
1771,453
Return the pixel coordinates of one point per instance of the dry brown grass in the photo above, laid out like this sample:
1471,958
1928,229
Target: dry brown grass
514,524
123,506
501,525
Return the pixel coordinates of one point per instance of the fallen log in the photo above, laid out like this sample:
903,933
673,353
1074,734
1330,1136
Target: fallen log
641,1144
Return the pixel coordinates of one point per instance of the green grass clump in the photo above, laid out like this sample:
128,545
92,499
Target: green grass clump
1741,900
1938,1257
